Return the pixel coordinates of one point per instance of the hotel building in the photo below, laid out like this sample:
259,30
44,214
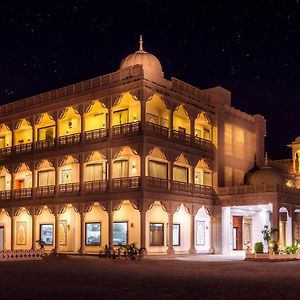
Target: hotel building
134,157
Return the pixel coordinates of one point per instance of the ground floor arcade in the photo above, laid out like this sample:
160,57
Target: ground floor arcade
77,228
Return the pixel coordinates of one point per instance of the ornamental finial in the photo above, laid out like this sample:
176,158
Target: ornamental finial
141,43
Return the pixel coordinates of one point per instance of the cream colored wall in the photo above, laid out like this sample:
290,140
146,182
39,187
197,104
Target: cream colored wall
98,215
44,218
74,173
45,122
7,176
73,230
202,216
21,175
133,160
96,118
5,132
156,215
183,218
63,124
181,162
23,135
180,119
156,155
5,222
132,216
25,219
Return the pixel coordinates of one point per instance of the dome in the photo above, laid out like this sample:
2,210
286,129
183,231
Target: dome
266,175
297,140
151,65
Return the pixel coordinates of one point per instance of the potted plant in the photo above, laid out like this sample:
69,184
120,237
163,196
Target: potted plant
259,248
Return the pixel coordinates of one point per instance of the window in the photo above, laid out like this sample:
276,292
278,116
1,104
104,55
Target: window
46,178
180,173
120,233
121,169
200,233
176,234
46,234
120,116
92,233
157,169
156,234
46,133
95,172
207,178
66,176
2,183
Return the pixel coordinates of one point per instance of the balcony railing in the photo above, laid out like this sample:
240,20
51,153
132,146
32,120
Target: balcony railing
45,145
127,128
181,137
180,186
45,191
69,139
125,183
95,186
203,144
23,148
22,193
69,188
5,195
157,130
159,183
95,134
5,151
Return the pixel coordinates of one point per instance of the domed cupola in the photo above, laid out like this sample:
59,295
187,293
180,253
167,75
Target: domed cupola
151,65
266,175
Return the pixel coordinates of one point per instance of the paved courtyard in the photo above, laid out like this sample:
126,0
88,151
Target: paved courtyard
198,277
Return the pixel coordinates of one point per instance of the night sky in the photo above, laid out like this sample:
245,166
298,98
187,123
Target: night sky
249,47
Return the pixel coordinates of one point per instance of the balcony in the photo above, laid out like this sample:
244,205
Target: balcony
127,129
157,130
23,148
95,135
5,195
45,145
203,144
95,186
5,152
45,191
70,139
157,183
22,193
125,184
69,188
181,137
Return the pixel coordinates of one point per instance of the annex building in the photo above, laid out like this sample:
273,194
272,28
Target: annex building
134,157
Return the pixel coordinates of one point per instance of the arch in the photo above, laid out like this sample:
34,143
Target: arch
68,170
45,128
181,121
202,230
126,110
23,177
96,117
182,169
96,167
69,122
203,174
5,136
203,127
156,164
23,133
5,179
157,111
285,227
45,174
126,163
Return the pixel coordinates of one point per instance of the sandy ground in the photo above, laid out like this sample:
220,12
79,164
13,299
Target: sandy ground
71,277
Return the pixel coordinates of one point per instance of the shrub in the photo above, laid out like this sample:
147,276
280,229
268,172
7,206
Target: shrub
259,247
292,249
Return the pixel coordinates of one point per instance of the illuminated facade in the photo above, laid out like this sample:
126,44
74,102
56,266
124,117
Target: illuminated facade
133,157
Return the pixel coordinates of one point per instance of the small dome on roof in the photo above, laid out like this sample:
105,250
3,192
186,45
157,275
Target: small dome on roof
266,175
297,140
151,65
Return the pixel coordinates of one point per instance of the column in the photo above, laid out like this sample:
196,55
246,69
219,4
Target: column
109,169
33,134
56,130
211,231
12,237
33,225
12,183
170,249
143,114
56,178
143,229
192,249
143,167
171,112
82,233
275,221
56,235
171,174
109,125
110,226
82,127
33,179
81,174
192,126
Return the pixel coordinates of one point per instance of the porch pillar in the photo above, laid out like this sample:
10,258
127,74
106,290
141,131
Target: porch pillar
33,176
275,221
192,249
82,233
143,228
12,184
143,114
12,237
82,125
110,226
81,174
109,169
211,231
170,249
56,244
33,225
143,166
56,167
56,130
192,126
171,122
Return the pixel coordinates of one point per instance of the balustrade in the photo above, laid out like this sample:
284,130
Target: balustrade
5,151
125,183
69,188
95,134
45,191
156,182
95,186
181,137
45,145
69,139
22,193
23,148
157,130
127,128
5,195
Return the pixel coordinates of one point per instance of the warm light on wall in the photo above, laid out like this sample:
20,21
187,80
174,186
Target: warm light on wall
133,168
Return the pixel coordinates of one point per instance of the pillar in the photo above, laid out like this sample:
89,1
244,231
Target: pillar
81,174
56,130
109,169
110,226
143,229
170,249
211,231
12,237
82,233
33,225
56,235
275,221
12,183
171,112
192,126
192,249
82,126
56,178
